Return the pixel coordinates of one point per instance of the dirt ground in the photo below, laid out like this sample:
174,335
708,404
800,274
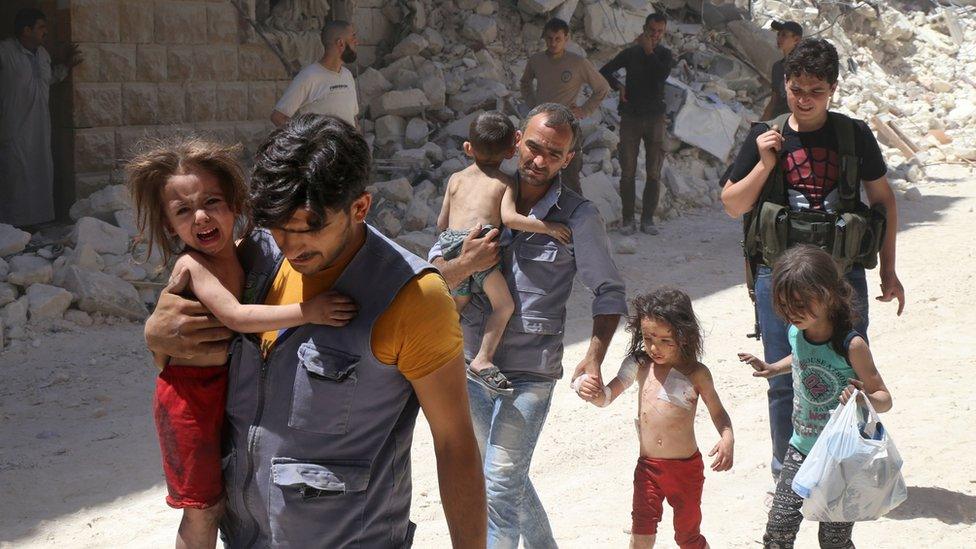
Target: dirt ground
79,466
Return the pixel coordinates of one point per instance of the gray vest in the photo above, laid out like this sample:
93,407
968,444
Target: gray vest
318,436
539,271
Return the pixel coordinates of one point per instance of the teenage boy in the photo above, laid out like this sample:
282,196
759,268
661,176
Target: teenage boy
807,148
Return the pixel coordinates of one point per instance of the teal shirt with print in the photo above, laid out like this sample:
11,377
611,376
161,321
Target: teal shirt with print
819,378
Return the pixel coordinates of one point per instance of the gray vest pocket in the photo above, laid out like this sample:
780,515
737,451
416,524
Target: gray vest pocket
325,385
303,492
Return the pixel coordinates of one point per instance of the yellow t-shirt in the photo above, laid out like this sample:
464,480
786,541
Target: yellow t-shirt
419,332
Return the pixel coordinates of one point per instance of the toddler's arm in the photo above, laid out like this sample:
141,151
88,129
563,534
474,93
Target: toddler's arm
869,380
329,308
723,450
519,222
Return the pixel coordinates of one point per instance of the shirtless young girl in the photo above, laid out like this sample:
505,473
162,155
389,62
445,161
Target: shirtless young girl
663,357
483,197
188,194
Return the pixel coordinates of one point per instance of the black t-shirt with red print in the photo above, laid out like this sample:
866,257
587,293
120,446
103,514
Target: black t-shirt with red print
811,164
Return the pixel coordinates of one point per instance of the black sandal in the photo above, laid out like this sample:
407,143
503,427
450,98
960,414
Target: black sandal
492,379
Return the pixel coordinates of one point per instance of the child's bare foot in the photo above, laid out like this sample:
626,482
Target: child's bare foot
488,375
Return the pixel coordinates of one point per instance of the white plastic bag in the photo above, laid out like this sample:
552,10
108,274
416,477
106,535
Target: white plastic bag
853,472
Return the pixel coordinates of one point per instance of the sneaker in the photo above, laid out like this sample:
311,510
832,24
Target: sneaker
647,227
627,229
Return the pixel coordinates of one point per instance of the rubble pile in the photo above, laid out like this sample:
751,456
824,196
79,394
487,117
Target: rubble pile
65,277
907,68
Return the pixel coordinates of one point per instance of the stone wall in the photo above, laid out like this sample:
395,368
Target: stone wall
153,69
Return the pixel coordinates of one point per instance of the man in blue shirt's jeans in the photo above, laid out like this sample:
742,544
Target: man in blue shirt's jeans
540,272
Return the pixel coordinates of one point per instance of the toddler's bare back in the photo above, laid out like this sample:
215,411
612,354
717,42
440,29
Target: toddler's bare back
476,197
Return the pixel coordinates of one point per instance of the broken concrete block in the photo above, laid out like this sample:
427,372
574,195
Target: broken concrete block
538,7
15,314
79,318
707,125
416,133
480,28
12,240
371,84
4,269
104,293
8,293
417,242
413,44
418,215
417,158
389,223
461,128
601,190
47,302
756,45
101,236
435,41
611,27
626,245
29,269
397,190
602,137
126,220
400,103
390,129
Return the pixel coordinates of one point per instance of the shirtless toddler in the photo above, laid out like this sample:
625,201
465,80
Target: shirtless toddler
664,357
481,197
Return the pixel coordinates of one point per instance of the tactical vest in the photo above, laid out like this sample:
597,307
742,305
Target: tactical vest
852,235
317,444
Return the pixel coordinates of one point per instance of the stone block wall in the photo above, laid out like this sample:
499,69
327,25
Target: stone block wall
165,67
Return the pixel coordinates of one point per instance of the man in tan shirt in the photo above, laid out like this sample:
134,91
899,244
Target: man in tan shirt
558,76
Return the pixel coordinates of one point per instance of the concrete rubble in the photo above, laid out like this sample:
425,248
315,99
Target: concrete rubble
908,66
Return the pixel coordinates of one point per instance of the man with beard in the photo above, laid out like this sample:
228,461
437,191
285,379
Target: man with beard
540,272
326,86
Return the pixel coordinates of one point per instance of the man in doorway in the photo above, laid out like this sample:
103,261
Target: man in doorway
540,272
320,419
641,108
788,35
559,75
326,86
26,165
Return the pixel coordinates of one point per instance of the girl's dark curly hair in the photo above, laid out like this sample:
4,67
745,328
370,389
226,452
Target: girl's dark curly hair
804,274
672,306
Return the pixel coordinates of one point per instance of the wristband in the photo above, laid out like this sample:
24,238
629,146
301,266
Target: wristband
578,382
606,396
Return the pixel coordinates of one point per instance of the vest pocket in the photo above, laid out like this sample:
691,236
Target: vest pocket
325,385
304,491
534,273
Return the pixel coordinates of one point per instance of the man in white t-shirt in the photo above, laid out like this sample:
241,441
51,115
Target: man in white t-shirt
326,86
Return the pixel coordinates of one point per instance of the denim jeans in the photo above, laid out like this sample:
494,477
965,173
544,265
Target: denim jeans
507,429
776,345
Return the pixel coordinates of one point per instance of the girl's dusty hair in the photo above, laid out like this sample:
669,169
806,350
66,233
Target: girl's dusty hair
148,172
804,274
672,306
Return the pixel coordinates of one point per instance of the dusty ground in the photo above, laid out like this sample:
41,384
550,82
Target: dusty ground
79,464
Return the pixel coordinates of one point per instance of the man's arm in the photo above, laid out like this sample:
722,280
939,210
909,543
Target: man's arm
598,272
443,396
294,97
183,328
612,66
279,119
740,196
879,191
477,254
599,86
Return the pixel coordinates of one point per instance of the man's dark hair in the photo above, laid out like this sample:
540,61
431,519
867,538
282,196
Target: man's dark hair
27,17
491,135
315,162
813,57
332,31
556,24
556,115
656,17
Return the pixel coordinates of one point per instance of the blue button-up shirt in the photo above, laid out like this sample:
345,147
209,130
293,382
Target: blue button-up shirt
540,272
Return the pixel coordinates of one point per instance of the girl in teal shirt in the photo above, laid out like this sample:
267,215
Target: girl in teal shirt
829,361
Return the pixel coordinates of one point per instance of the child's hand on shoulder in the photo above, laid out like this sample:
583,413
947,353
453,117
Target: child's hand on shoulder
723,452
559,231
853,385
330,308
761,368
